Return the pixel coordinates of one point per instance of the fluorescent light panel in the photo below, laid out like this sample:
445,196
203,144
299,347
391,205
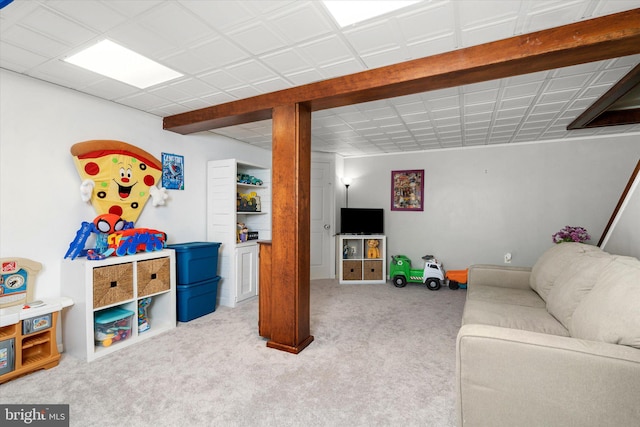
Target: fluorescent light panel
119,63
347,12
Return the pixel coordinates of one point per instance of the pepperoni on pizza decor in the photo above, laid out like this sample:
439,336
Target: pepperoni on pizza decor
122,175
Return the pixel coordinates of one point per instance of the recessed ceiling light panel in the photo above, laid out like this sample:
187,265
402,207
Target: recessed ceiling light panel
347,12
119,63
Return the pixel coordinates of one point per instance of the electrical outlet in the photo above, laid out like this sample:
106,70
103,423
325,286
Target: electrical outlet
507,258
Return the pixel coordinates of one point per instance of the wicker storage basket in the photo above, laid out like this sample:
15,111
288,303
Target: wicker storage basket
352,270
112,284
372,270
153,276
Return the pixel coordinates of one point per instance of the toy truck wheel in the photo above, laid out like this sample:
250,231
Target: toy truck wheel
400,281
453,284
433,284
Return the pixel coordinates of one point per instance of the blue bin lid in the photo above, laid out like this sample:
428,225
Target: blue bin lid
192,245
112,314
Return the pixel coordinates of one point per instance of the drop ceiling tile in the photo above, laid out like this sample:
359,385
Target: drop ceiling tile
243,92
594,91
250,71
523,101
547,108
257,38
218,98
286,61
564,95
65,74
186,62
95,15
109,89
305,77
577,81
342,68
174,22
386,57
489,32
272,85
484,117
327,50
132,8
220,15
521,91
353,117
33,42
218,52
480,97
446,102
20,59
610,76
221,80
590,67
551,14
446,113
57,27
415,118
170,93
372,38
433,20
142,40
477,13
194,104
432,46
143,101
300,23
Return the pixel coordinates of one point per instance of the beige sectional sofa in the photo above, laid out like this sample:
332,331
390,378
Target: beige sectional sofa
553,345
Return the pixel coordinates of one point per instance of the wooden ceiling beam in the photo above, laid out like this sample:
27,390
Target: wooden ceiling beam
596,39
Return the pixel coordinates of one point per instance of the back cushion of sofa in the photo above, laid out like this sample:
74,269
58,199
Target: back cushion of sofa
553,262
574,282
611,311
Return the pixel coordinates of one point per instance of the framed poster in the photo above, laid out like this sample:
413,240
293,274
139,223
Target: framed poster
407,189
172,171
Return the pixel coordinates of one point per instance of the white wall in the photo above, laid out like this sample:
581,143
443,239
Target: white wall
483,202
624,235
40,207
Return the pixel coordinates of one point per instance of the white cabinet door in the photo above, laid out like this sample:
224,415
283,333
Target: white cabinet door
246,272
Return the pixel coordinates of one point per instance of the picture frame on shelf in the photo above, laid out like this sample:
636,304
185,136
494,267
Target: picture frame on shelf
407,190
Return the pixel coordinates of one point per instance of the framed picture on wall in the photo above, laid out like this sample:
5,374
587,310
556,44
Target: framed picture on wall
172,171
407,189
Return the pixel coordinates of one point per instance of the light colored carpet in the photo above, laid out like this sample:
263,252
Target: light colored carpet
382,356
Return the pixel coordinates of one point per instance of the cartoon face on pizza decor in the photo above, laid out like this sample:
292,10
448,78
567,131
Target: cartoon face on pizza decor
122,176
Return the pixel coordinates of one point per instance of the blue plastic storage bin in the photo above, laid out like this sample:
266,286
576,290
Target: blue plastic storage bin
196,261
197,299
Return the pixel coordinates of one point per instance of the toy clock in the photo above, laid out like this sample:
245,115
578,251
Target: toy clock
17,281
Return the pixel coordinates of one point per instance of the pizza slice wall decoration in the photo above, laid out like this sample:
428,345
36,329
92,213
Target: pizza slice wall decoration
117,177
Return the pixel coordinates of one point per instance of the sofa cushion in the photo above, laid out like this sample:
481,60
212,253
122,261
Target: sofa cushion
572,284
552,263
611,311
535,319
498,294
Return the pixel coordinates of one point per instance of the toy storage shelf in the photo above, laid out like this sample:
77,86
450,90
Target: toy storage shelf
356,266
97,285
238,260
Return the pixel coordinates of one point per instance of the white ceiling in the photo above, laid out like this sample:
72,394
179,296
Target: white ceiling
230,50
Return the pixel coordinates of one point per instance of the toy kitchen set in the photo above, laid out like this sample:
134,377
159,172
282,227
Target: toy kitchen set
27,328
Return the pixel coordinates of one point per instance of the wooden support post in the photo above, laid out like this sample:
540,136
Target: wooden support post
290,252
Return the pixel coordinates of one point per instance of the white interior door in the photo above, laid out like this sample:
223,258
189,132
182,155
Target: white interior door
322,264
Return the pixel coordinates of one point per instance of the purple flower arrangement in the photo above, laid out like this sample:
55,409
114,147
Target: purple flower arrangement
571,234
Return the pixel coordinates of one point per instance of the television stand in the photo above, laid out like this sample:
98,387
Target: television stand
360,265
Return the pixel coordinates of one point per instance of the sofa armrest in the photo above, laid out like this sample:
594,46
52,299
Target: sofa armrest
510,377
497,275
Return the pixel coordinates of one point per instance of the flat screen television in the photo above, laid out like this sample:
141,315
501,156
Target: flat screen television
361,221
